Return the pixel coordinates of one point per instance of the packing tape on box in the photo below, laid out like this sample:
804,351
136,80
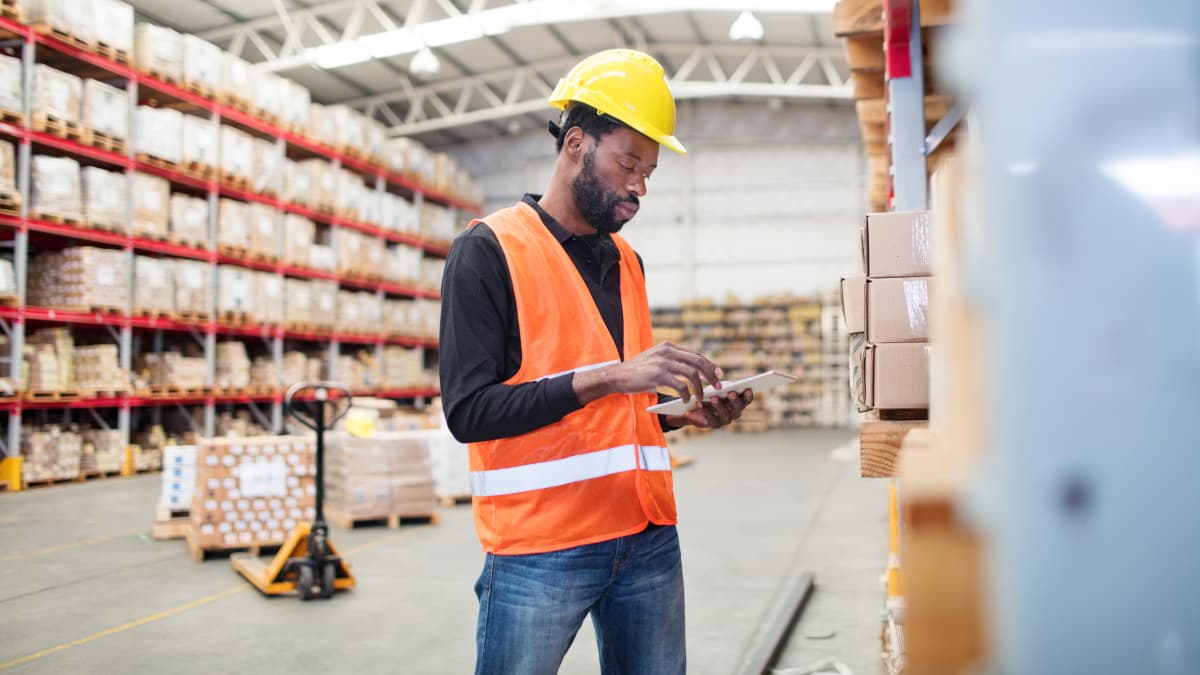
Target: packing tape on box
920,239
916,301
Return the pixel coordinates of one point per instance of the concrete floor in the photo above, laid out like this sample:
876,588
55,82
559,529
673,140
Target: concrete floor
83,588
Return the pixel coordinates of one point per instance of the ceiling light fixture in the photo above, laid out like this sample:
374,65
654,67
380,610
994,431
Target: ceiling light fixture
746,28
424,64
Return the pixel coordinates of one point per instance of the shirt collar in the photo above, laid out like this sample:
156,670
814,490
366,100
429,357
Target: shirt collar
562,234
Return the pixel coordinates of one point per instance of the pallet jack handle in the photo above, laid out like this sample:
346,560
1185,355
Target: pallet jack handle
318,423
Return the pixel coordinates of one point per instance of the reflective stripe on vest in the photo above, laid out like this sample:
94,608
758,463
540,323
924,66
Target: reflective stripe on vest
557,472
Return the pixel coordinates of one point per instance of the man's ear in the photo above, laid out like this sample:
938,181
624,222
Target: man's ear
575,143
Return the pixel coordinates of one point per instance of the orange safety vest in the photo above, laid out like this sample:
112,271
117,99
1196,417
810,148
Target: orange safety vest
601,472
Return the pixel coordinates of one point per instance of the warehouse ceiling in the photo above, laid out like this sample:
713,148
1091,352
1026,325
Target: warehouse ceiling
495,61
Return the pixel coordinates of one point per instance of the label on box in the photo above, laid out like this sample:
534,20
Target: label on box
265,479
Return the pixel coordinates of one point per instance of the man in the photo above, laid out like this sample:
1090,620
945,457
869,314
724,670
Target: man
547,368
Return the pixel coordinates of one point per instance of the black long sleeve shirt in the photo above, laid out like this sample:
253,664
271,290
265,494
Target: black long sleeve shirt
480,344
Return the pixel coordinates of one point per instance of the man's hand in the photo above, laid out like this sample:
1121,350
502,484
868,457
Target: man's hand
664,365
716,412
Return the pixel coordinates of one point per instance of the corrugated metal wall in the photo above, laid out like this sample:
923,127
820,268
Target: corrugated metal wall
766,202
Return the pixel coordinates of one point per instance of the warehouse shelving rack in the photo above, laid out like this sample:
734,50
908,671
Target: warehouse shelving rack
144,87
905,120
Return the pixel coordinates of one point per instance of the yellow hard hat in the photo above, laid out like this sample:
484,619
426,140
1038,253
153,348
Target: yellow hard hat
625,84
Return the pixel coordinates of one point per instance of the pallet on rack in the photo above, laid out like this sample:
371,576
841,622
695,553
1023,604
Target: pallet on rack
157,162
88,309
154,313
235,182
10,204
232,317
392,521
198,88
14,118
63,35
50,124
58,218
161,76
111,53
104,392
11,9
193,316
43,395
9,301
116,228
234,101
300,326
259,256
107,142
47,482
171,523
200,171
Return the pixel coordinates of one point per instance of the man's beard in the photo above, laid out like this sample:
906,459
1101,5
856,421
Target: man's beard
598,206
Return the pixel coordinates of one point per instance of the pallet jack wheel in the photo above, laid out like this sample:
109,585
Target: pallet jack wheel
328,576
304,582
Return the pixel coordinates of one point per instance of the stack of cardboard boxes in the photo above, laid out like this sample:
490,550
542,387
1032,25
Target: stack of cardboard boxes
178,478
50,453
83,277
103,451
98,368
887,313
251,491
384,475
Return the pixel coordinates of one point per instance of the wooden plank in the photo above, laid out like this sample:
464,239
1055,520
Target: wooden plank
856,17
943,591
865,53
879,446
853,17
873,133
871,111
867,84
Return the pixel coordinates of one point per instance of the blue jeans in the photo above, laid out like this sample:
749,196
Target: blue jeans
531,607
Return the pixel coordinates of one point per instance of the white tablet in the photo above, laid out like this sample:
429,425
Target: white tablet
758,382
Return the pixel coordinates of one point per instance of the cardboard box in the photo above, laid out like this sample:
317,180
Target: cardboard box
114,24
897,376
11,92
201,141
239,80
201,63
193,287
158,50
154,284
106,109
298,302
268,166
8,168
80,276
103,198
235,286
158,132
854,303
57,188
267,94
299,235
75,17
151,205
260,221
897,244
270,301
189,219
237,152
898,309
57,94
294,102
233,224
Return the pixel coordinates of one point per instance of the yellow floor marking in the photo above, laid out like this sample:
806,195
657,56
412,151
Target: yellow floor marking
26,555
233,590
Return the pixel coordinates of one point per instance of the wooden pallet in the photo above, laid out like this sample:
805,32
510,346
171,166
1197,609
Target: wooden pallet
72,131
236,102
163,77
14,118
233,182
106,392
60,34
11,9
118,228
113,54
41,395
47,482
231,317
261,257
10,205
392,521
200,171
154,313
449,501
193,316
171,524
300,327
96,474
199,89
9,301
157,163
106,142
200,553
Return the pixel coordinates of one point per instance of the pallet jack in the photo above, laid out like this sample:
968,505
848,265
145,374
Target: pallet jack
307,563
